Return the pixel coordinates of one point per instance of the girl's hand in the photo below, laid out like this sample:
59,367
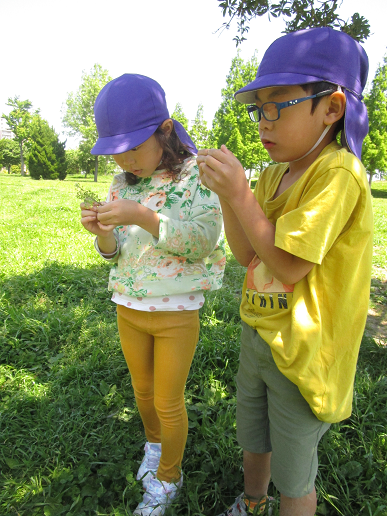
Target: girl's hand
122,212
222,173
90,222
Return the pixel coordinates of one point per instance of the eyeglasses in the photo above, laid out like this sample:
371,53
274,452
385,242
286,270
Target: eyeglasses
271,110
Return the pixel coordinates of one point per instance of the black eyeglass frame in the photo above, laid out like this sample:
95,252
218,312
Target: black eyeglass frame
281,105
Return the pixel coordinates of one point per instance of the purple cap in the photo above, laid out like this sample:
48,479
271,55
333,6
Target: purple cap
127,111
314,55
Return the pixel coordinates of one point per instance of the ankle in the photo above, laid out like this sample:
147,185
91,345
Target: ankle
256,505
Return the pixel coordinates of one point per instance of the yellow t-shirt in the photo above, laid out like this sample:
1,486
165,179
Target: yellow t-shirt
314,328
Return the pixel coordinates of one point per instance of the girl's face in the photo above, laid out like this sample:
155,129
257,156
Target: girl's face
143,160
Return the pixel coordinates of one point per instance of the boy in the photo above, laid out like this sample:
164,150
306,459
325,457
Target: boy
306,237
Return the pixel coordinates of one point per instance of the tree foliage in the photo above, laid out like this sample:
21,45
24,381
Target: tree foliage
19,120
73,162
232,125
374,154
199,132
79,113
179,115
47,159
300,14
9,153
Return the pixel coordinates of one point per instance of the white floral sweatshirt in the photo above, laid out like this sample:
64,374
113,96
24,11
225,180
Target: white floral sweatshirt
189,254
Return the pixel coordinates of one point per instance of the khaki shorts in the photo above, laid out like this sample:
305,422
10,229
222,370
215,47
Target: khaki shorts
272,416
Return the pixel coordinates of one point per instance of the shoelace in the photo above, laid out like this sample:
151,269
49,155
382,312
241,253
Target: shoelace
155,499
152,459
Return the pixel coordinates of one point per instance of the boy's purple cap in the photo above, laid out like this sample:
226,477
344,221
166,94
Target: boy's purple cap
314,55
127,111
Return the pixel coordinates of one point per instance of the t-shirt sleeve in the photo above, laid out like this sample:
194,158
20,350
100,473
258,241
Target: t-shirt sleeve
324,210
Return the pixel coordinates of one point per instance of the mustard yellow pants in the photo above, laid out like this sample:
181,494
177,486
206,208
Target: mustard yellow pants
159,348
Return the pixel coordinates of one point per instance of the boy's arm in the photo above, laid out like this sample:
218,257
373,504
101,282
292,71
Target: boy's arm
236,237
223,173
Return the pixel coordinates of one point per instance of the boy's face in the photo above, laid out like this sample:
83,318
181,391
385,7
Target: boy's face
143,160
297,129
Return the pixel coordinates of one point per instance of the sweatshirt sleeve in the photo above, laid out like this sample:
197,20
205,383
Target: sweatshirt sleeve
196,235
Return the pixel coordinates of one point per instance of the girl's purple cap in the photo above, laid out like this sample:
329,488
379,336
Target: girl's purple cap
127,111
314,55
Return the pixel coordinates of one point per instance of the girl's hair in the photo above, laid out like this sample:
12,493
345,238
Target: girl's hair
174,153
317,87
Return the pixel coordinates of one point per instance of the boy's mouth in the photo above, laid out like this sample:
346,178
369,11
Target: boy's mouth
267,143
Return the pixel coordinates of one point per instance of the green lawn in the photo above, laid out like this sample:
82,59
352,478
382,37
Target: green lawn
70,434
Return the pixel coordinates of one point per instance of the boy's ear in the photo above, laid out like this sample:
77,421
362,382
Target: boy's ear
335,107
167,126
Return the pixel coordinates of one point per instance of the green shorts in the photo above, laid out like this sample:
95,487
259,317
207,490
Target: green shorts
272,416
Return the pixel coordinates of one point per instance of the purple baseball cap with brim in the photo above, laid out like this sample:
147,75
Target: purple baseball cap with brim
127,111
314,55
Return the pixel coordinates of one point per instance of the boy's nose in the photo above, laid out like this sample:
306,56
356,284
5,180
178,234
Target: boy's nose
264,124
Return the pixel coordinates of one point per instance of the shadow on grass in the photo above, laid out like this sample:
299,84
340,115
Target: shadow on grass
73,434
376,326
379,194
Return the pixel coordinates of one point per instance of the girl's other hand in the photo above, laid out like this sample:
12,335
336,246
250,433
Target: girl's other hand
122,212
90,222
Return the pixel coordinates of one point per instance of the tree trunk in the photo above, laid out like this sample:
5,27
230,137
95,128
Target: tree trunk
370,179
9,169
21,158
96,170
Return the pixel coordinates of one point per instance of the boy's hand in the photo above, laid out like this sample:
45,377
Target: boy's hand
221,172
122,212
90,222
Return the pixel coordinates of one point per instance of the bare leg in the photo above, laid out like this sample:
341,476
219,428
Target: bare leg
304,506
257,474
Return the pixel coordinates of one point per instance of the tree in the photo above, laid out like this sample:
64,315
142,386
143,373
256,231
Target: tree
79,114
232,125
180,116
9,153
199,131
374,153
47,159
18,121
73,162
304,14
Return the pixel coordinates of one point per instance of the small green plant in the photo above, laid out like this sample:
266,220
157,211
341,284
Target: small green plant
89,197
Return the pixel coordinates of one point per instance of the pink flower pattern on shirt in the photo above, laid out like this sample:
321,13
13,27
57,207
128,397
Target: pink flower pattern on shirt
189,254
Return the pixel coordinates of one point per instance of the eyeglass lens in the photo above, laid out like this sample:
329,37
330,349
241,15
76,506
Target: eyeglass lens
269,111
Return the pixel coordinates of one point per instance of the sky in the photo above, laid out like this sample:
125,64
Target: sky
47,44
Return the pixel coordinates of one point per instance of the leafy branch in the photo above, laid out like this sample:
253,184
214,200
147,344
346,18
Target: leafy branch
304,13
88,197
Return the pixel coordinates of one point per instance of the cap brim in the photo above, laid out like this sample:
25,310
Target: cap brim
120,143
246,95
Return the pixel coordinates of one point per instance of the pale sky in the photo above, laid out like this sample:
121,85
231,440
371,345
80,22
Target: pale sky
46,44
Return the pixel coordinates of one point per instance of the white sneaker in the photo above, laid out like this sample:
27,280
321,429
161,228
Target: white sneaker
149,464
158,497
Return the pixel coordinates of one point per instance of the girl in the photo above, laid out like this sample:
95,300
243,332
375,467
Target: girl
159,228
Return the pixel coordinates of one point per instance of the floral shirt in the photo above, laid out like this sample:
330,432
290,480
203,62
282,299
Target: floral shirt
189,254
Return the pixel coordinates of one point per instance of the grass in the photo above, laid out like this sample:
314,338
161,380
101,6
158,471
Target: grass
70,434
